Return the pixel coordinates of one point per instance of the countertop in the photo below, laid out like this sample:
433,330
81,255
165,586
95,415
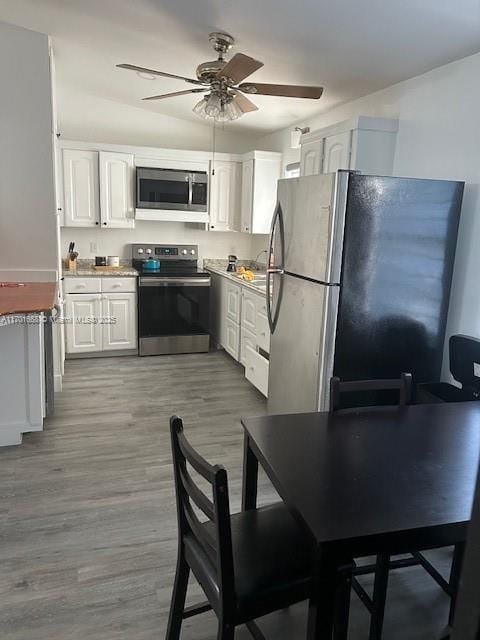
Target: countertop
91,272
33,297
213,267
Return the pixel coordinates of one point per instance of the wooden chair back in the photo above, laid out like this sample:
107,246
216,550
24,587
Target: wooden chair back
403,385
216,541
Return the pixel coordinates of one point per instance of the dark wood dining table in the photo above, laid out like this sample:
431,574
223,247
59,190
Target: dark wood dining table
367,481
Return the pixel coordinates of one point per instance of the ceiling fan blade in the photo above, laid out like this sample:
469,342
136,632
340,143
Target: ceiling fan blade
176,93
244,103
239,67
132,67
283,90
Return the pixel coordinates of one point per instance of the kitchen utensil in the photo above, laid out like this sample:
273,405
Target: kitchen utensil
232,263
113,261
152,264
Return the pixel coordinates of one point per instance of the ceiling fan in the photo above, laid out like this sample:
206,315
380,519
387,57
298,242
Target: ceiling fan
219,79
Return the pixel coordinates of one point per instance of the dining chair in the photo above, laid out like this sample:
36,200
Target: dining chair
248,564
384,562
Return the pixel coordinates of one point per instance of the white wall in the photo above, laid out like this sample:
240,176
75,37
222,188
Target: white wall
439,137
27,201
91,119
116,241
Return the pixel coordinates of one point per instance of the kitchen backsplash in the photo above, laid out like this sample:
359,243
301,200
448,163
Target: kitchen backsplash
90,242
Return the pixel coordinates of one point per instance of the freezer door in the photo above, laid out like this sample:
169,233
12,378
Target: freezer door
313,215
399,251
301,348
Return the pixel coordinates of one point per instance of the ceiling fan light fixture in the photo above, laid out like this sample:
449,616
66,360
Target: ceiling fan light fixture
230,111
199,108
214,105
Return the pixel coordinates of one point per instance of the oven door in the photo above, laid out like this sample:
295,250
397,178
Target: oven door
173,315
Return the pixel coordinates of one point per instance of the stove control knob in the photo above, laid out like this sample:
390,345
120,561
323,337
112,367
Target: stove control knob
149,251
184,252
192,251
139,250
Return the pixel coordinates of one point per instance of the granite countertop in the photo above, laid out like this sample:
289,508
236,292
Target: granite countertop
220,267
31,298
86,269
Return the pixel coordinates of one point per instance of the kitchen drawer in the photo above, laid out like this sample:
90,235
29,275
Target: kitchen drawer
82,285
232,339
116,284
256,370
247,339
263,332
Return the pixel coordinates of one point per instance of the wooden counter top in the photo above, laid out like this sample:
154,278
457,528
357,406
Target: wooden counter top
34,297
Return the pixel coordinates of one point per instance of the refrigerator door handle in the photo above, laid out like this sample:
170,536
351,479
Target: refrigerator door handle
278,270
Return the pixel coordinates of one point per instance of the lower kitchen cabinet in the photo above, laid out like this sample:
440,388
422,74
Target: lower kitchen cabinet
120,334
232,339
256,369
247,339
98,320
82,333
239,324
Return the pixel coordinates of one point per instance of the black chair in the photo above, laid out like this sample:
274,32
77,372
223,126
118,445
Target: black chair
384,563
248,564
464,356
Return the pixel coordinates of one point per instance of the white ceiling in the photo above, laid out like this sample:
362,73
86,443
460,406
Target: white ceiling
351,47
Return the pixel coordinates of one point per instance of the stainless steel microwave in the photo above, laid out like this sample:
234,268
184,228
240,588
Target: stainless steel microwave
172,189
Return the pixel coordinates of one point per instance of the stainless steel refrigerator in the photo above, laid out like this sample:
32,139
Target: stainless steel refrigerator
359,282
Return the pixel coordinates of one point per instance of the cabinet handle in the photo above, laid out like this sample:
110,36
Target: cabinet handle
212,227
97,223
105,223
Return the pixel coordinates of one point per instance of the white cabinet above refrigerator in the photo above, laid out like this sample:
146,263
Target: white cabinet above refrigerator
362,144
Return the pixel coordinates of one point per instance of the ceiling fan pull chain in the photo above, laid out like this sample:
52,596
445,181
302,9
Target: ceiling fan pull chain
214,143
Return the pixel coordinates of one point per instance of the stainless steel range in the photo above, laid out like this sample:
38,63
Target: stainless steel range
173,299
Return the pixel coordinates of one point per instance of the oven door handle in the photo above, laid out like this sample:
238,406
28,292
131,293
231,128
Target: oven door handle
174,282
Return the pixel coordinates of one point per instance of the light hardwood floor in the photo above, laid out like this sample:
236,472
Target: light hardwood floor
87,512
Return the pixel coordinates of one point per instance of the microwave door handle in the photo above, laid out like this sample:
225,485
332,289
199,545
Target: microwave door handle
190,189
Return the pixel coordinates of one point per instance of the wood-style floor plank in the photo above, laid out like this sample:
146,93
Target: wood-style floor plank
87,509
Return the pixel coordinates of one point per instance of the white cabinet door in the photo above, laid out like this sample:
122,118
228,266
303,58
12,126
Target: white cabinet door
249,311
233,301
117,171
120,318
80,184
337,152
225,196
83,332
232,339
247,195
311,159
247,339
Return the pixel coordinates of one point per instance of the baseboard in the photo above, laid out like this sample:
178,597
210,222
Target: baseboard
102,354
57,383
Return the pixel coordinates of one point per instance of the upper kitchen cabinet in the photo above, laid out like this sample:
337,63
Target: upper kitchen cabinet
117,175
225,194
260,173
98,188
80,186
362,144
